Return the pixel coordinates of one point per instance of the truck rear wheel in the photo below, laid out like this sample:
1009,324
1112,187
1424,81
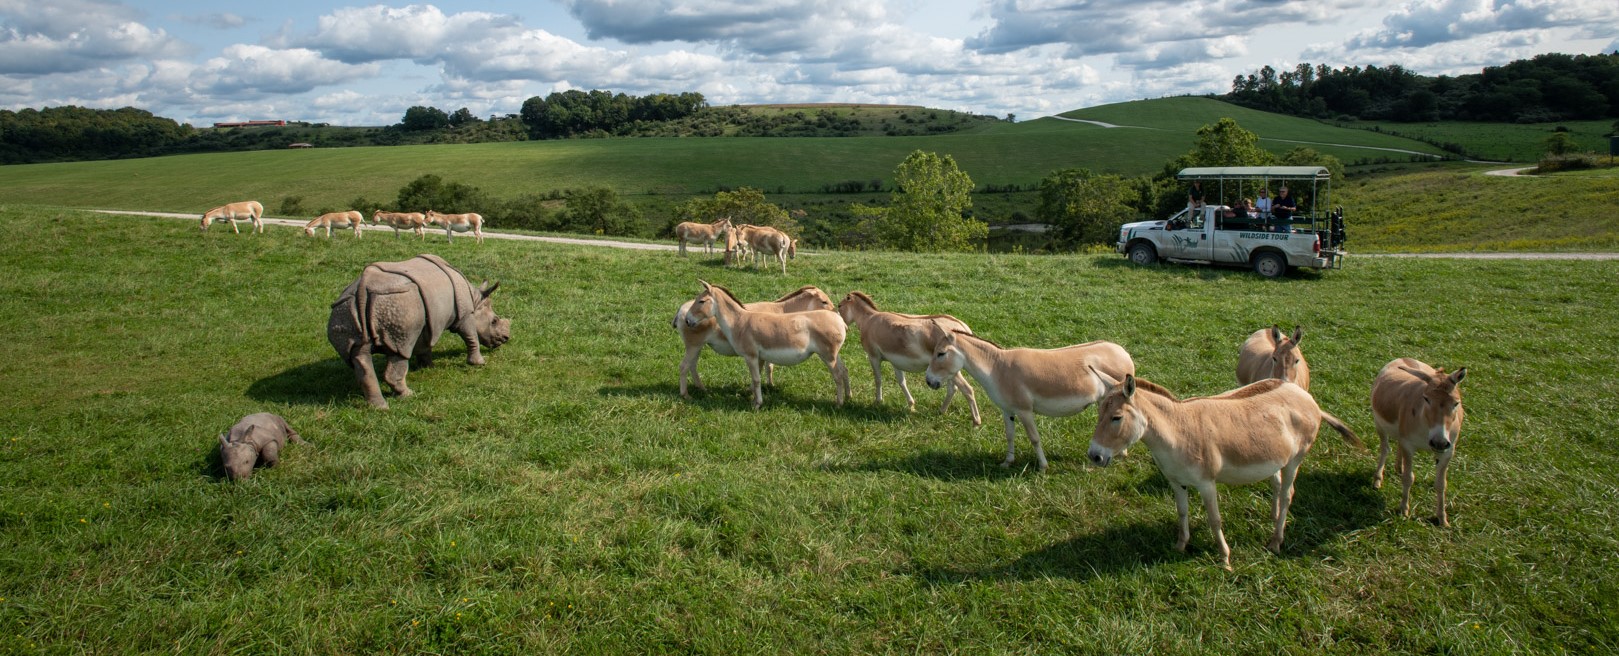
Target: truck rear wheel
1270,265
1143,254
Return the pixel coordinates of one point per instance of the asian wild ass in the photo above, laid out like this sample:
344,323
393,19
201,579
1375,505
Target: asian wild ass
1027,382
414,221
1257,432
707,331
784,339
1420,408
902,340
765,240
329,220
453,223
247,210
1270,354
704,233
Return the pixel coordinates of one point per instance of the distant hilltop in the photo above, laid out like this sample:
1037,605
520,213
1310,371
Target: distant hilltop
248,124
832,105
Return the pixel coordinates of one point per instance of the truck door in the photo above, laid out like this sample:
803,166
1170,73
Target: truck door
1196,241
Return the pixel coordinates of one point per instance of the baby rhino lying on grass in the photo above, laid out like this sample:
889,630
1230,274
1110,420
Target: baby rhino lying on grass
256,437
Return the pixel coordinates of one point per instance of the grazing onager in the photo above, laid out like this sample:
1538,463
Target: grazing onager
1420,408
1027,382
902,339
765,240
707,331
247,210
343,220
453,223
704,233
256,438
1269,354
784,339
414,221
1257,432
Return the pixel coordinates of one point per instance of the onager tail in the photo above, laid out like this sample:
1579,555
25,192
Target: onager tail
1342,428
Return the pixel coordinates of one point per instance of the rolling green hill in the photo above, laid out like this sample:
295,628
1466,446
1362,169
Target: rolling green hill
1000,154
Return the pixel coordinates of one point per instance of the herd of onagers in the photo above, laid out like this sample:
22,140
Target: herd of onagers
1260,431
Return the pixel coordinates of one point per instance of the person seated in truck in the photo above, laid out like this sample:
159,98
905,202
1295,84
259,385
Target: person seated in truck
1235,217
1283,207
1262,204
1194,196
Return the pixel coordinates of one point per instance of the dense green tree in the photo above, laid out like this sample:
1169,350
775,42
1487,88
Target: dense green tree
431,192
927,209
462,117
421,118
598,210
1084,207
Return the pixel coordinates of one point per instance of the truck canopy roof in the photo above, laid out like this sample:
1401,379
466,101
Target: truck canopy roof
1255,173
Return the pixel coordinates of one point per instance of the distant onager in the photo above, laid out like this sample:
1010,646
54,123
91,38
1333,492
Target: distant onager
703,233
902,340
247,210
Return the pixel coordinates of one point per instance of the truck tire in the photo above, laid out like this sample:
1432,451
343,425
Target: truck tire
1143,253
1270,265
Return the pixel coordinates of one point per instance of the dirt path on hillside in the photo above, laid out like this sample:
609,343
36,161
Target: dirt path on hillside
1511,173
613,243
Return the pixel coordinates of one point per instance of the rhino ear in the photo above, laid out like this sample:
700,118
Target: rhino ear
488,289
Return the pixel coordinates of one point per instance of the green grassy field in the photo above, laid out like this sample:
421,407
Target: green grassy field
1507,142
564,499
1002,154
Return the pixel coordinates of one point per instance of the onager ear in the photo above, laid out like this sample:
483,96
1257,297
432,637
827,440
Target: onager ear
1275,334
1458,376
1298,334
1129,386
1108,383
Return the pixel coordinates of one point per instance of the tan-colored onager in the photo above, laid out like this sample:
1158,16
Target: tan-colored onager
1256,432
701,233
1420,409
453,223
902,340
784,339
414,221
341,220
707,331
1270,354
767,241
247,210
1026,382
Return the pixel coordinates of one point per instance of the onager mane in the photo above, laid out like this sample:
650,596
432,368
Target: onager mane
963,332
863,297
1155,388
1249,390
790,295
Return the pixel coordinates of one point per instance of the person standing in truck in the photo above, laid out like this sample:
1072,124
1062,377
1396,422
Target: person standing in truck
1283,207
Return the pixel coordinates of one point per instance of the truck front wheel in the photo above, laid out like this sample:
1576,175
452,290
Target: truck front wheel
1143,254
1270,265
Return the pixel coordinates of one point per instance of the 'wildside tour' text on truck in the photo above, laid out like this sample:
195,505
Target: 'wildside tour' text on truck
1239,215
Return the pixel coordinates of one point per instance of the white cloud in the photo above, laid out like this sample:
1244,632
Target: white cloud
1428,22
64,36
258,70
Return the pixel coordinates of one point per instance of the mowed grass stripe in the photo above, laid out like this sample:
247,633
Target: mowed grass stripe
564,499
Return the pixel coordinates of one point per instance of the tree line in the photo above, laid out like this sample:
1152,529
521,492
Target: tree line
574,113
1548,87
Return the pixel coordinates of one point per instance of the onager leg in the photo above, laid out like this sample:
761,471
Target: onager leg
972,399
1441,464
753,371
1034,438
877,374
1382,457
1181,502
398,366
1404,463
1011,444
1211,503
910,401
1284,501
688,368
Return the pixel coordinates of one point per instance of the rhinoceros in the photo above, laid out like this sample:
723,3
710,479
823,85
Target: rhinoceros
256,437
400,309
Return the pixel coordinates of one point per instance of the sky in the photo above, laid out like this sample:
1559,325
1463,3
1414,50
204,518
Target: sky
364,64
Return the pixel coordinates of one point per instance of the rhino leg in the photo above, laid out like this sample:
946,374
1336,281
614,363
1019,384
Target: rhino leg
474,350
360,361
398,366
270,454
424,354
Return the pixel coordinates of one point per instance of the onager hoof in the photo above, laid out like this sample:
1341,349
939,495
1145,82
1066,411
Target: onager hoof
380,404
1275,546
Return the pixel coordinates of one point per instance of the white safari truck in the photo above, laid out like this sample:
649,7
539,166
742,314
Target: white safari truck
1225,231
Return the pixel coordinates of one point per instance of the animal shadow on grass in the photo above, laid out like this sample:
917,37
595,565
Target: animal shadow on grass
948,466
1207,271
316,383
212,465
1079,558
727,396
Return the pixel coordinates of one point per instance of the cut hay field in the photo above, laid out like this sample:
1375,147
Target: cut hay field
564,499
1002,154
